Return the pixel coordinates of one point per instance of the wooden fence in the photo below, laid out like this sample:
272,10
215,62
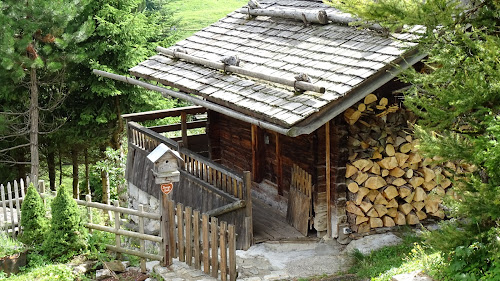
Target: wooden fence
200,241
12,196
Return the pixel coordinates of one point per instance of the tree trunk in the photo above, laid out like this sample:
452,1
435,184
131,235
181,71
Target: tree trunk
34,112
87,171
51,165
74,159
105,187
60,166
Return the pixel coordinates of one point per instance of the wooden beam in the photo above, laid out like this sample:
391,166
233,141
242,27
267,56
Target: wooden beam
178,126
158,114
302,85
328,183
257,153
279,165
297,14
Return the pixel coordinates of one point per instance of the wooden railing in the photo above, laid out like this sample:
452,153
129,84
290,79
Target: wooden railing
201,241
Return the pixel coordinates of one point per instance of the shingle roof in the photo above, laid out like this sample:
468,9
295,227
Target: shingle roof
340,58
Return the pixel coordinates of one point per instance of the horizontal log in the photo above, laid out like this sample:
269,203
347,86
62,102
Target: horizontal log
306,86
124,232
158,114
296,14
227,208
118,209
178,126
134,253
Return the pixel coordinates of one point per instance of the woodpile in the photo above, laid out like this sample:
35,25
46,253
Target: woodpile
389,182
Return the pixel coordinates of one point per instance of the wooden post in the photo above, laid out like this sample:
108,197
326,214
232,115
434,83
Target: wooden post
196,238
223,250
328,183
247,181
118,241
189,247
232,252
184,129
165,233
214,224
180,231
257,153
12,224
88,198
141,231
18,207
206,244
279,164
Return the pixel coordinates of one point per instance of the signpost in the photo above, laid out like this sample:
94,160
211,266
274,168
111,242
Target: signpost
166,188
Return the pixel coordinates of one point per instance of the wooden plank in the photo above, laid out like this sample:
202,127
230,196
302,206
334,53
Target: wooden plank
178,126
180,232
223,250
11,207
328,184
232,252
196,239
18,207
214,246
257,137
184,129
4,206
189,238
134,253
158,114
171,229
206,243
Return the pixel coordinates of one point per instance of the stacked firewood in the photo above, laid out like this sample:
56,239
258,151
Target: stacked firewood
389,182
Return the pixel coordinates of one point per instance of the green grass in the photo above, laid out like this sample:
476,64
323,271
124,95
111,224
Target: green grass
386,262
197,14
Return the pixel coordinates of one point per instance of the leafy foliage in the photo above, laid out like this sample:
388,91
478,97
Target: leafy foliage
67,236
457,97
9,246
33,217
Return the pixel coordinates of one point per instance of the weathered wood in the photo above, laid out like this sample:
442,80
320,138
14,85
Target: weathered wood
134,253
4,204
352,208
124,232
196,239
299,202
388,221
350,170
214,246
117,227
223,250
189,236
142,247
11,207
171,229
328,179
375,182
122,210
297,14
257,153
306,86
227,208
206,243
232,252
158,114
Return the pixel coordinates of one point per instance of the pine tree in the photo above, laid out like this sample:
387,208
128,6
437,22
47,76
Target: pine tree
67,235
33,218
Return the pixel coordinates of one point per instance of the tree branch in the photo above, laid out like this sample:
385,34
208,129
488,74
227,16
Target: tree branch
14,147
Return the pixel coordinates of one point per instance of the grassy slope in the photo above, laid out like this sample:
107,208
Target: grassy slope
197,14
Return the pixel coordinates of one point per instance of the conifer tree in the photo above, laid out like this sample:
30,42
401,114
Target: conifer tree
67,235
33,218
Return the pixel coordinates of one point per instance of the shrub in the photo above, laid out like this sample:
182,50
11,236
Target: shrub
67,234
33,219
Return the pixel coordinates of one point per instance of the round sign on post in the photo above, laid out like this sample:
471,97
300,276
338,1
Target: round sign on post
166,187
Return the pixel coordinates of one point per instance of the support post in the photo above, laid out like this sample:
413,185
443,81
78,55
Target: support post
279,165
117,228
247,180
184,129
165,234
257,153
328,183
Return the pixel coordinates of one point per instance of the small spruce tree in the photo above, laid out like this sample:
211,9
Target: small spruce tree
33,219
67,235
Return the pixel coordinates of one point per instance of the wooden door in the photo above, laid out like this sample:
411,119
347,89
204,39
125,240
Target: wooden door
299,211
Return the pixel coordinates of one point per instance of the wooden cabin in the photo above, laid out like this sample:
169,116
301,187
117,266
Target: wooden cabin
290,98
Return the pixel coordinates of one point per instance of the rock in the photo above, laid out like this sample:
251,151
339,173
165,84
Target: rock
116,266
370,243
102,274
126,263
151,264
417,275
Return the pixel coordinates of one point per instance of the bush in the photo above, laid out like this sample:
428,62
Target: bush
33,219
67,236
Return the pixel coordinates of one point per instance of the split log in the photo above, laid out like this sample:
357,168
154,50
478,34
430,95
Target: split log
409,173
385,173
361,219
362,192
388,221
372,195
429,185
397,172
372,213
350,170
421,215
401,158
370,99
418,205
390,192
414,158
416,181
428,174
362,163
388,163
361,177
353,187
399,141
365,206
398,182
375,182
420,194
400,218
410,197
320,17
392,212
375,169
405,208
404,191
405,148
380,199
389,150
352,208
381,209
392,204
376,222
364,227
439,213
412,219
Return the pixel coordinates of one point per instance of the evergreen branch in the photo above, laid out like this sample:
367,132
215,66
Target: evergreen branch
14,147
